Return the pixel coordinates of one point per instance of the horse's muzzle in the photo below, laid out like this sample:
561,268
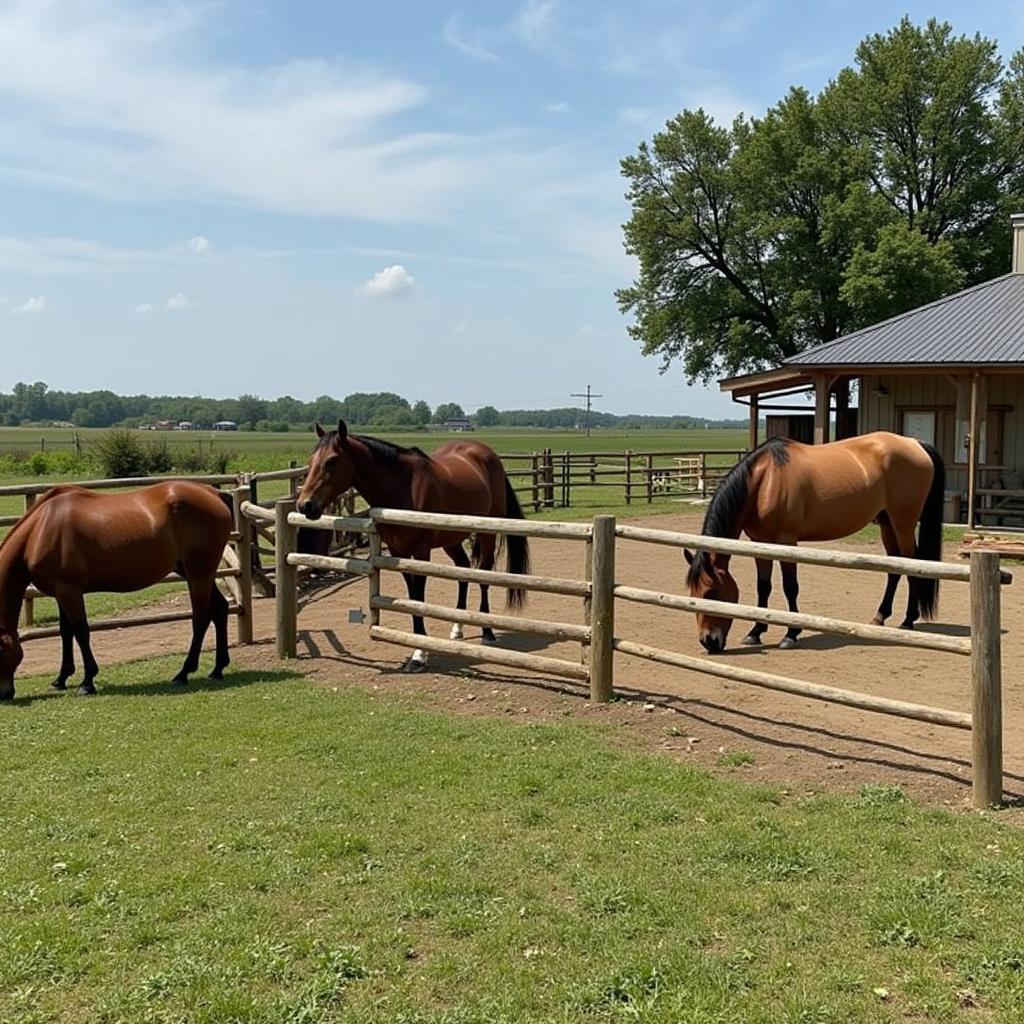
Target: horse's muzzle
712,643
310,509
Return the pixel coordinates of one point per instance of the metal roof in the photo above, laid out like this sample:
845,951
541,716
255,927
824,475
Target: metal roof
980,325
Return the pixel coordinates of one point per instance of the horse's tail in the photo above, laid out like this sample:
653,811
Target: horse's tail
929,534
518,548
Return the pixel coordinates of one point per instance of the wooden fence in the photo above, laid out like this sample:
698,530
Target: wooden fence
599,593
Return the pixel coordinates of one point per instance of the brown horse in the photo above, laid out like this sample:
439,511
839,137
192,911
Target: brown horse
784,492
74,541
463,477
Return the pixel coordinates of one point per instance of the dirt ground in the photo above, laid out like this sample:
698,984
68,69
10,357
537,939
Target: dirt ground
798,744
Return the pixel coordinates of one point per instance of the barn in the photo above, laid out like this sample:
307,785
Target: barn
950,373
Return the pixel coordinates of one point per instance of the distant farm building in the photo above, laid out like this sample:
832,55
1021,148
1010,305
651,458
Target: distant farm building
225,425
457,425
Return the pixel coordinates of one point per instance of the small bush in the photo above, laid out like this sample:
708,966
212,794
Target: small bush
219,461
120,454
158,457
38,465
189,461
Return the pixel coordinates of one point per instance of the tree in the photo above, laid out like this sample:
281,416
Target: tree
757,240
251,409
487,416
448,411
421,413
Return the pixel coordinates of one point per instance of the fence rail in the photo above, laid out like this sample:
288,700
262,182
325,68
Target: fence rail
599,592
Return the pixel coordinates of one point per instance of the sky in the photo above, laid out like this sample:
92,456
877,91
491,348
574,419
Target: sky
324,197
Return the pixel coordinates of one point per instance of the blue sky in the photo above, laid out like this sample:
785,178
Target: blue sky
420,197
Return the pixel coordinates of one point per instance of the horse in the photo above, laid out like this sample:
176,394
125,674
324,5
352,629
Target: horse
785,492
464,477
75,541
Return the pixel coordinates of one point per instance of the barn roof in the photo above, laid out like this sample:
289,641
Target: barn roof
983,325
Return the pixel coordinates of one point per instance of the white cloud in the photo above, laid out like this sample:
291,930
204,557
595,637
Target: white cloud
178,301
199,243
393,280
471,43
460,328
561,107
535,21
35,304
144,307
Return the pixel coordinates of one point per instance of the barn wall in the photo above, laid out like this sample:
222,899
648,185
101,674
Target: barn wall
939,392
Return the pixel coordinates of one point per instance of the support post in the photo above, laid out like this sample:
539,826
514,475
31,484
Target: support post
754,413
842,393
703,474
535,476
602,610
593,470
986,680
28,612
285,575
293,481
629,476
374,578
650,478
588,575
972,453
566,475
821,404
244,549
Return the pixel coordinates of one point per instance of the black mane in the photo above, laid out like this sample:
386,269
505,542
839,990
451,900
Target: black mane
386,451
730,498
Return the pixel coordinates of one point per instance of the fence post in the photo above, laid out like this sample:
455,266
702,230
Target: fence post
244,548
602,609
549,479
293,481
593,470
535,474
629,476
588,577
374,578
703,474
286,603
29,607
650,478
986,680
566,476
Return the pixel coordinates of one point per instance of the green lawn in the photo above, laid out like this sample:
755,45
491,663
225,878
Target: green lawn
269,850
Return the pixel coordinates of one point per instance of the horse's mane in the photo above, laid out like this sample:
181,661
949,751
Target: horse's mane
386,451
729,500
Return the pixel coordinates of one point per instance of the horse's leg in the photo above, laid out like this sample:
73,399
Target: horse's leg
200,588
457,553
67,652
764,591
892,547
488,547
907,548
416,586
219,614
791,588
72,604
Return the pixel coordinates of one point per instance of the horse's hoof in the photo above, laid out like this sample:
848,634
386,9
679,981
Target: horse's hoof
751,640
489,639
179,681
217,673
85,690
58,684
413,665
878,621
787,643
906,625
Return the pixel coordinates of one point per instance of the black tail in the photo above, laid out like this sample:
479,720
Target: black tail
929,533
518,548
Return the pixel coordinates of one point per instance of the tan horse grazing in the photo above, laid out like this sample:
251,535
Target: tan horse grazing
74,541
784,492
463,477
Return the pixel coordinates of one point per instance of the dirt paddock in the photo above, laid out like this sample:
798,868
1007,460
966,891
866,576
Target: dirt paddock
798,744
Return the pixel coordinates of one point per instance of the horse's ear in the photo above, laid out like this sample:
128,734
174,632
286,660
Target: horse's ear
342,430
319,430
688,555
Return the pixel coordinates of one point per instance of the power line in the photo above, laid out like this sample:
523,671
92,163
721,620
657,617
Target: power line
588,396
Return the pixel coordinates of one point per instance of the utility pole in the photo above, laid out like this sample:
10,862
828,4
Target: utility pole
588,396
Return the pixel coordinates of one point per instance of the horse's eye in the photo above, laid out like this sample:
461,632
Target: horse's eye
330,462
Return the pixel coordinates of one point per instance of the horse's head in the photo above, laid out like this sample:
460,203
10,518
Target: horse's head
10,658
329,472
709,578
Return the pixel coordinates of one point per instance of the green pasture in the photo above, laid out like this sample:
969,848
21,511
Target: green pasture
272,851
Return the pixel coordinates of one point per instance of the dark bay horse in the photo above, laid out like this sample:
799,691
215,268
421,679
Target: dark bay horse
784,492
74,541
463,478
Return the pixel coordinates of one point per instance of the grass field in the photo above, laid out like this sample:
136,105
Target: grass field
270,851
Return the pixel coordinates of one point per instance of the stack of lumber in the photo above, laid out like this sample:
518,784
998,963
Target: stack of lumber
1009,545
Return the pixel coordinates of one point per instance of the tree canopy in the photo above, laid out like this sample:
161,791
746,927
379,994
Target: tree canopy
891,188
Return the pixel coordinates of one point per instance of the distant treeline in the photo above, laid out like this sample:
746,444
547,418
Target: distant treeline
36,404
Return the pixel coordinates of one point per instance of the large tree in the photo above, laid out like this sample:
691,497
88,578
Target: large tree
890,188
